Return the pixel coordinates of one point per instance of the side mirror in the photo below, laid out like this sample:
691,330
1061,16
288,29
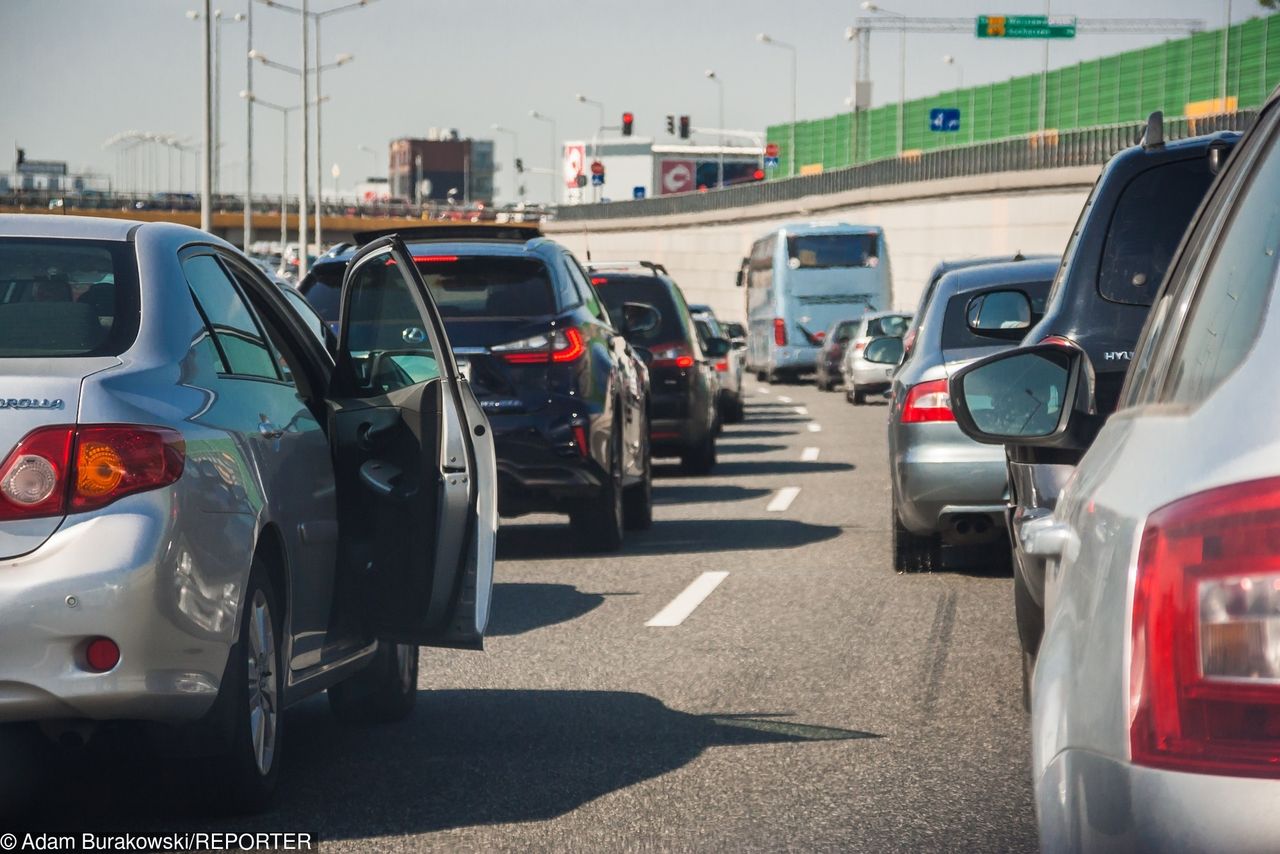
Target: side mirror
639,318
717,348
999,314
1040,395
885,350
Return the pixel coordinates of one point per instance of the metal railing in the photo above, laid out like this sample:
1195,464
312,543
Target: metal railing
1048,150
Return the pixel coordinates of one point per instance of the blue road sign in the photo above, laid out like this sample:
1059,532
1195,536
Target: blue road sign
597,180
637,192
771,163
944,119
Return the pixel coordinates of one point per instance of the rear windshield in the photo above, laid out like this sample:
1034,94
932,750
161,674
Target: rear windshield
61,298
895,325
956,334
832,250
1150,217
615,290
323,289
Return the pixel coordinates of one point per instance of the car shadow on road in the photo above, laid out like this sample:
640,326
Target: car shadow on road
736,433
520,608
463,758
703,494
769,419
747,468
667,536
725,445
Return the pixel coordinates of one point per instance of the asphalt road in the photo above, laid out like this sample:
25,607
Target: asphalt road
814,700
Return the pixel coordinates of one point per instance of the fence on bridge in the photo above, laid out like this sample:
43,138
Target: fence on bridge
1085,147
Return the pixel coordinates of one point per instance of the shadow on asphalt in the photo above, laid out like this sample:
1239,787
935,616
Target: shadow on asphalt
749,468
520,608
463,758
792,419
735,433
699,494
667,536
724,445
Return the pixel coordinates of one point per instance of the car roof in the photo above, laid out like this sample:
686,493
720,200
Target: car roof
825,228
876,315
75,227
950,264
1009,273
507,248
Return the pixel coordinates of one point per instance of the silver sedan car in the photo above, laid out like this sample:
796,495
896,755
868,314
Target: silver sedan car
205,516
949,491
861,377
1156,693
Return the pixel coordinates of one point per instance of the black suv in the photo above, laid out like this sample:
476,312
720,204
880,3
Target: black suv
684,386
1111,271
567,398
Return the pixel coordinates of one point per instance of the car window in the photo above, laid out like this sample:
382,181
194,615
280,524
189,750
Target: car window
832,250
236,332
1231,295
384,333
323,289
308,314
488,286
956,334
895,325
567,294
615,290
589,295
1148,221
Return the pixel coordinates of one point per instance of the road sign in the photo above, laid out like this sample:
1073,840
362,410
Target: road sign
771,161
597,168
676,176
771,150
575,157
944,119
637,192
597,180
1026,27
580,181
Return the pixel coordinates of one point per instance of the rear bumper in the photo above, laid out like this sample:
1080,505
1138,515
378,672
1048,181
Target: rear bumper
540,465
794,358
939,477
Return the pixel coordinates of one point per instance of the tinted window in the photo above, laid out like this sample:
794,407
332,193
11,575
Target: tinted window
1232,294
956,334
589,296
616,290
323,289
895,325
235,331
832,250
386,338
491,286
307,313
67,298
1150,217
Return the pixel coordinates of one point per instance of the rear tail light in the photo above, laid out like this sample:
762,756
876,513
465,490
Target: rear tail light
565,346
57,470
599,280
722,366
927,402
859,345
671,356
1204,679
779,332
580,439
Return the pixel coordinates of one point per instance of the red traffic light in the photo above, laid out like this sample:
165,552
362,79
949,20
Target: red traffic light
628,120
684,127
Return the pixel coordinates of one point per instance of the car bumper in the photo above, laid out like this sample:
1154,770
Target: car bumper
123,573
794,358
540,464
940,476
1086,801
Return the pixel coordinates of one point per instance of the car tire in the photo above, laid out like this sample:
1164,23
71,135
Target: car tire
859,397
762,376
700,459
737,410
913,553
1029,618
243,776
637,500
383,692
598,522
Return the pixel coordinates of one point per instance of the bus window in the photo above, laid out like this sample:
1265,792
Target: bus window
808,251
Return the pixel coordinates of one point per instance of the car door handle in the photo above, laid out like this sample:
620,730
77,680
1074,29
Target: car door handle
269,430
1044,537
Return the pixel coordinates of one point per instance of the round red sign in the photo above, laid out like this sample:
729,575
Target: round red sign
597,168
771,150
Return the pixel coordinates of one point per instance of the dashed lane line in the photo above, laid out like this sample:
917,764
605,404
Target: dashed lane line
815,427
802,410
782,398
783,499
689,599
809,455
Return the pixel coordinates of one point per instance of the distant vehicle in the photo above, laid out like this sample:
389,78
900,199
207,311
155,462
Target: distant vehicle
730,368
682,374
1156,690
1121,247
799,280
205,516
948,491
831,354
861,377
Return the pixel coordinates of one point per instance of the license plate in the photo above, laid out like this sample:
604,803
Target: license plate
464,368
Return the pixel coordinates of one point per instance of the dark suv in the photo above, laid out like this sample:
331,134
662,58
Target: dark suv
1111,271
684,386
567,398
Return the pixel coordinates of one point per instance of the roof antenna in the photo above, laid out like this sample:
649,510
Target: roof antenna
586,239
1153,135
1018,256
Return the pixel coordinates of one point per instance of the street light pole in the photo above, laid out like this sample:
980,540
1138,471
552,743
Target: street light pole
534,114
868,6
766,39
595,137
712,76
303,207
248,123
206,189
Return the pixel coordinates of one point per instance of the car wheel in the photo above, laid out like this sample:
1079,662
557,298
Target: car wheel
912,552
762,376
700,459
598,522
1029,618
384,692
859,397
246,772
637,501
737,411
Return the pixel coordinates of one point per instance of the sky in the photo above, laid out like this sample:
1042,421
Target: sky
77,72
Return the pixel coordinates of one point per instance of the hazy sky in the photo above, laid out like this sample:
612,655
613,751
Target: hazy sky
75,72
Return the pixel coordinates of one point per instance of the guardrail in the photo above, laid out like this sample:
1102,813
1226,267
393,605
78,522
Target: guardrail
1047,150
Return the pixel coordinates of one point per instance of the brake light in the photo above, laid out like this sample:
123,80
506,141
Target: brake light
568,346
671,356
927,402
57,470
860,345
722,366
598,280
434,259
580,439
779,332
1204,674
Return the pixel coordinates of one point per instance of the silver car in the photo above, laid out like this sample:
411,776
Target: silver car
730,368
1156,692
947,489
861,377
205,517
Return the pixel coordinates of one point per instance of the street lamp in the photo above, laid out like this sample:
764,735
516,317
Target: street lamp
537,116
595,137
371,152
868,6
254,100
714,78
218,21
515,158
766,39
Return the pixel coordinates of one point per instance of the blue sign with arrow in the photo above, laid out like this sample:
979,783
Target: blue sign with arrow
944,119
771,162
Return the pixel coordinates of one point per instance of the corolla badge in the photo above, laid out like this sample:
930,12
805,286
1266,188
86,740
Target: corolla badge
31,403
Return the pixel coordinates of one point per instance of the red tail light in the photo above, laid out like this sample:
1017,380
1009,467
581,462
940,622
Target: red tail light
722,367
860,345
1204,676
434,259
671,356
598,280
567,346
580,439
779,332
57,470
927,402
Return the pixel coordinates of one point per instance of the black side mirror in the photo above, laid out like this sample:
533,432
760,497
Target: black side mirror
1041,395
999,314
716,348
885,350
639,318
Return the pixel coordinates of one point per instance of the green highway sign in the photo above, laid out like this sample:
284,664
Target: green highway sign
1026,27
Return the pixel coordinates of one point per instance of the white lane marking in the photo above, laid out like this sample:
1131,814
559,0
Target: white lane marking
815,427
800,410
782,398
783,499
809,455
683,605
764,389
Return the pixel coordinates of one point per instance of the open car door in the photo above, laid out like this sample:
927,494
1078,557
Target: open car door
414,460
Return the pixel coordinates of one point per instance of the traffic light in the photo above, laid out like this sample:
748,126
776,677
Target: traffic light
519,165
671,125
684,127
627,121
22,156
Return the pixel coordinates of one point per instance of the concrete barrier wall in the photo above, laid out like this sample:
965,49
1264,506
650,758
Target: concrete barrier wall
924,223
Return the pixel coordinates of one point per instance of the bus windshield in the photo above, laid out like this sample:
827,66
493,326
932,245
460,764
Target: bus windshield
810,251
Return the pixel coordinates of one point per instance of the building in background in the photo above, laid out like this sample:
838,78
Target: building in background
638,167
441,168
